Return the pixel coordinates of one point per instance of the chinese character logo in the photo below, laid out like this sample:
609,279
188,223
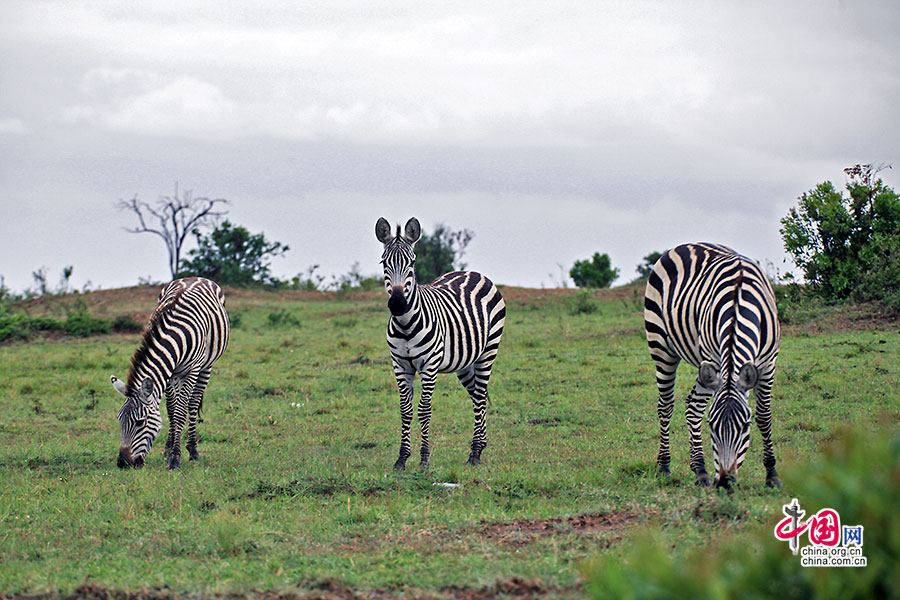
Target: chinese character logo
829,543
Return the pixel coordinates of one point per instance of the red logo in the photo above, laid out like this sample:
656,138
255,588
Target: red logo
823,528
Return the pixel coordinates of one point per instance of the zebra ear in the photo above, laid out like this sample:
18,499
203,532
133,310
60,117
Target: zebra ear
118,384
412,230
748,376
709,375
383,230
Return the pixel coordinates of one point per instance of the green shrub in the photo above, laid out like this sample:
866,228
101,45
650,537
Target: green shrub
283,318
14,326
595,273
125,324
847,246
583,303
857,474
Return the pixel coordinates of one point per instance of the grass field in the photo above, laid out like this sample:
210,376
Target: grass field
294,492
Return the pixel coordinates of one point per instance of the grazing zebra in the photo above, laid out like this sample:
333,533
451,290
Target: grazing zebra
188,331
715,309
451,326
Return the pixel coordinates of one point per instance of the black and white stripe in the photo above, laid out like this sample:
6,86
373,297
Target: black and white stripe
715,309
187,332
452,325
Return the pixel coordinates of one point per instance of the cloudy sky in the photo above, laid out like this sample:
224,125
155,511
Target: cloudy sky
552,129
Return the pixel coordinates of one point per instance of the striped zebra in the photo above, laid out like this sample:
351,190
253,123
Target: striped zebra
188,331
452,325
715,309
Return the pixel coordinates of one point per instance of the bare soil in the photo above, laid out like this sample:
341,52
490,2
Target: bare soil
512,589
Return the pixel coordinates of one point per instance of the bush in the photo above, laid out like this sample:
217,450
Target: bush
231,255
14,326
440,252
125,324
283,318
847,246
583,303
82,324
596,273
857,474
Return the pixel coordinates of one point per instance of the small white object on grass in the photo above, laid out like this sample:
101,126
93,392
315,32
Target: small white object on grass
445,484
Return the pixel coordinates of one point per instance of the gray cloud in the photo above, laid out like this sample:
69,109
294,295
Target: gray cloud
551,131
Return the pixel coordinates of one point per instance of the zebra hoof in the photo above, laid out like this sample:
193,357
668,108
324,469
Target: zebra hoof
664,471
703,480
400,465
174,462
194,455
773,482
473,460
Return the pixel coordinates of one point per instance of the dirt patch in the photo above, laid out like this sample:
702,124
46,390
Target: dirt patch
515,588
526,530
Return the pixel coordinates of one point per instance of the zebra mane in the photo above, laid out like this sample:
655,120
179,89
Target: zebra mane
140,355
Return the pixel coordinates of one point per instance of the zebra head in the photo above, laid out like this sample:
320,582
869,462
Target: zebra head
729,418
141,422
399,262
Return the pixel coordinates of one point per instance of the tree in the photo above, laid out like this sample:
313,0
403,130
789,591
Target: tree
842,243
177,216
596,273
231,255
645,267
440,252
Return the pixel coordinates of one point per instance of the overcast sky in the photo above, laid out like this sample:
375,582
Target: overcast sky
552,130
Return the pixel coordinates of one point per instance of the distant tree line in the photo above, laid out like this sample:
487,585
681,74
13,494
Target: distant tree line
232,255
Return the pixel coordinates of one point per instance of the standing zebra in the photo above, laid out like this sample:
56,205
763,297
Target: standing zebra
451,326
188,331
715,309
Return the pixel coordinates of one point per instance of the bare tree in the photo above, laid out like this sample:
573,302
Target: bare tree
177,216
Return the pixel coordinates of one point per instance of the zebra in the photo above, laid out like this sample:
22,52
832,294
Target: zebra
187,332
452,325
715,309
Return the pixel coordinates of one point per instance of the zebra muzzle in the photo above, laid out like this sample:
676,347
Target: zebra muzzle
126,459
397,302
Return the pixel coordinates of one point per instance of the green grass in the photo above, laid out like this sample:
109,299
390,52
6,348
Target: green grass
301,426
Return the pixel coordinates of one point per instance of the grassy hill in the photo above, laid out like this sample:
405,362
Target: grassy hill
294,492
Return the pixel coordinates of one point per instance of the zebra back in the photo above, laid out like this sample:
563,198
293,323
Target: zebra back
188,328
461,315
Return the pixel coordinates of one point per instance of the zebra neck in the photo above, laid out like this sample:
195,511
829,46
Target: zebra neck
157,371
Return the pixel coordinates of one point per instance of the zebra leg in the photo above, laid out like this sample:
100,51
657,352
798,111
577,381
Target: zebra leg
194,405
475,379
763,394
405,384
665,382
171,392
694,411
178,417
426,380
